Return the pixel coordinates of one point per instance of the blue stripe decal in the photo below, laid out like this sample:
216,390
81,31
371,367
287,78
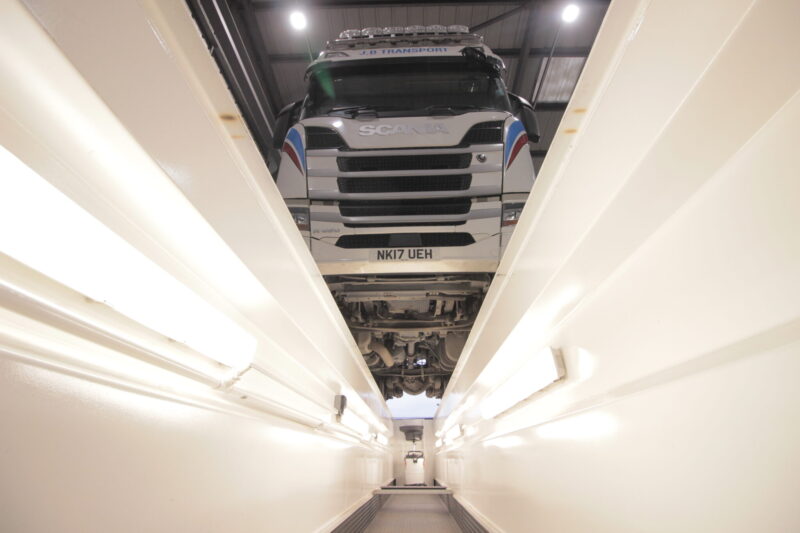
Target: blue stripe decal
296,141
514,131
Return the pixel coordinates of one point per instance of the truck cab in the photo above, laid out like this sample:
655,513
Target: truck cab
406,168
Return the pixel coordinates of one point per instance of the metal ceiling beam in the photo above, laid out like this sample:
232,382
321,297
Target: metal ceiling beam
234,56
561,51
498,18
336,4
566,51
271,4
522,66
552,106
264,65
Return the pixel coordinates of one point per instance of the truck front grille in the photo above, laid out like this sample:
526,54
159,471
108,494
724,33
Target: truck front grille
405,240
403,162
457,182
386,208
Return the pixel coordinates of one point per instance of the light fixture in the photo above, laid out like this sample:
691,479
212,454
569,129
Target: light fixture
540,371
438,443
382,439
452,434
298,20
354,422
511,441
453,418
570,13
45,230
511,213
585,426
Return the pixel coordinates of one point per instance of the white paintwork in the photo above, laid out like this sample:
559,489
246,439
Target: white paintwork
120,106
659,251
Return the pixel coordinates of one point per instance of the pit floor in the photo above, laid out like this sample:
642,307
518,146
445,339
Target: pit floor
417,513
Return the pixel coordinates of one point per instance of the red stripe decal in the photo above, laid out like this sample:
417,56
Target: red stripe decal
290,151
521,141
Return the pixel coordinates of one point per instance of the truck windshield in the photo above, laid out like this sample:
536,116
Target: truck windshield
404,89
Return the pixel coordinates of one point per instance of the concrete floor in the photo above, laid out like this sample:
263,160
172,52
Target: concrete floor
417,513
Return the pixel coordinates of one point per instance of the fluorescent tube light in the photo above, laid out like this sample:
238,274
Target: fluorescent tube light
354,422
44,229
540,371
452,434
382,439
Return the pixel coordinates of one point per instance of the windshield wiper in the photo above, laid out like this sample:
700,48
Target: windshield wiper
356,110
453,109
352,110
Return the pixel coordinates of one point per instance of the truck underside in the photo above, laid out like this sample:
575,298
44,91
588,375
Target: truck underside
410,328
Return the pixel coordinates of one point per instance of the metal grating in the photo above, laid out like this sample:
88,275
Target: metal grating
403,162
386,208
361,517
401,224
465,521
456,182
404,240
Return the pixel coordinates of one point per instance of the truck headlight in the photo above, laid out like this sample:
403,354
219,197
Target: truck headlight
301,217
511,213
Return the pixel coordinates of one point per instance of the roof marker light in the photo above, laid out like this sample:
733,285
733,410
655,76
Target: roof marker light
457,28
570,13
298,20
394,30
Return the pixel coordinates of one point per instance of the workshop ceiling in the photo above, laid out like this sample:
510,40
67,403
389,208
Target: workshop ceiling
265,59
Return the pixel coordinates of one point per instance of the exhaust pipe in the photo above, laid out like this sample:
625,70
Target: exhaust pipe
383,352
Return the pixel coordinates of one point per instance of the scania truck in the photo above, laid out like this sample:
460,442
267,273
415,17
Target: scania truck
406,167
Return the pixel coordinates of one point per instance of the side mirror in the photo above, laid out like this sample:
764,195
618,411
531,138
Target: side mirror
287,117
523,110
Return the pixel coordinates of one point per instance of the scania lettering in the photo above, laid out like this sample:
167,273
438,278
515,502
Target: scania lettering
406,167
406,129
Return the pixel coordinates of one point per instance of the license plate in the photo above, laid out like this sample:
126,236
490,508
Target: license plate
403,254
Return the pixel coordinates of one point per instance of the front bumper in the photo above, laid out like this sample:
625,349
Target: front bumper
342,244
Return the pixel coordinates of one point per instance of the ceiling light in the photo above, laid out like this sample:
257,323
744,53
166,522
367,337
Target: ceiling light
543,369
45,230
298,20
570,13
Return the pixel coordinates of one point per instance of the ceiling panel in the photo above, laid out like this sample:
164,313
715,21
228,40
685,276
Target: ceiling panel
560,80
288,48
